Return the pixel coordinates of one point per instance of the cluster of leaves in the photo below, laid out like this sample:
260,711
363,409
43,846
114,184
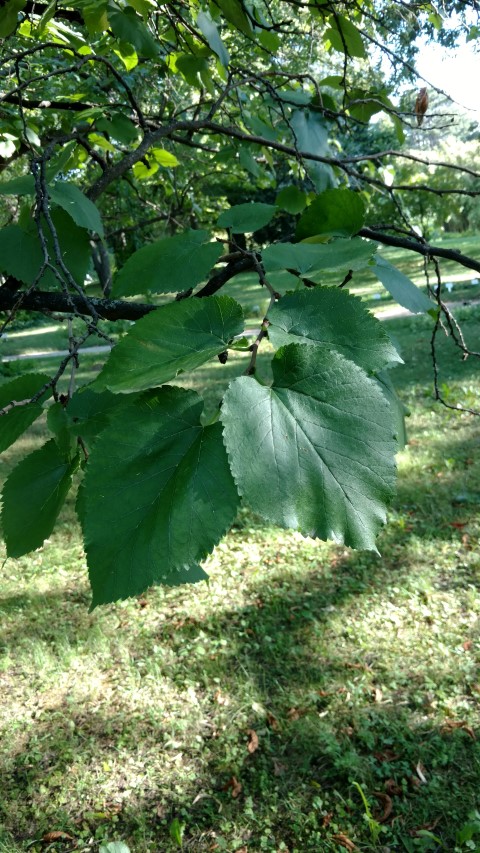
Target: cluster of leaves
312,450
104,98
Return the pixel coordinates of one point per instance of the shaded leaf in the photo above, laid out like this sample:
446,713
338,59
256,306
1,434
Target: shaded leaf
291,199
158,496
176,337
89,413
312,258
127,26
168,265
338,213
345,37
9,16
33,496
210,30
243,218
401,288
17,420
83,211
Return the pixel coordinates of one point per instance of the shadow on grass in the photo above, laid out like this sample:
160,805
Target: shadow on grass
296,669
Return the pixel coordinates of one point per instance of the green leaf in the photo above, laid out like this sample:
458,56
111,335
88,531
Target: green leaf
127,26
311,133
17,420
344,36
21,253
122,129
143,7
142,172
291,199
310,259
177,337
270,41
127,54
209,29
165,158
398,409
235,14
9,16
83,211
158,496
243,218
248,162
33,496
114,847
95,16
330,317
168,265
18,186
177,831
58,422
335,212
89,413
401,288
315,452
190,67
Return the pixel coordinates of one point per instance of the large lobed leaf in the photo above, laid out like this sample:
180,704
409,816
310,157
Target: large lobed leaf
158,496
177,337
314,452
332,317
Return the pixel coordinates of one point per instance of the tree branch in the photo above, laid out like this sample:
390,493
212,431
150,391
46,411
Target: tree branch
421,248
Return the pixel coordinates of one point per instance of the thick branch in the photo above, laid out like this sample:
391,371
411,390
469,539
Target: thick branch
421,248
107,309
45,103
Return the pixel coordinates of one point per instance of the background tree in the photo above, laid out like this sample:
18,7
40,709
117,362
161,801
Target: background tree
162,150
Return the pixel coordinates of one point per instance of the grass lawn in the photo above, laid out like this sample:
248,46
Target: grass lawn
308,699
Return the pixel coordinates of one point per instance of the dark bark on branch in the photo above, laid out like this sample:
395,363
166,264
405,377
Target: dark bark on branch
107,309
45,103
421,248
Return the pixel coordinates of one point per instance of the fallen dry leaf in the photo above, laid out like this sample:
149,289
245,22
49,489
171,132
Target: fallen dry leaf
467,645
327,819
429,827
387,804
235,785
294,714
386,755
278,767
56,835
344,841
377,695
450,725
221,699
253,743
272,721
392,788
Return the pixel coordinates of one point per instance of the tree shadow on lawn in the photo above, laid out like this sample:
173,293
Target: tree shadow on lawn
328,701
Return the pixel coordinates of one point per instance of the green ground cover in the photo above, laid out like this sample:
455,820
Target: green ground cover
262,711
